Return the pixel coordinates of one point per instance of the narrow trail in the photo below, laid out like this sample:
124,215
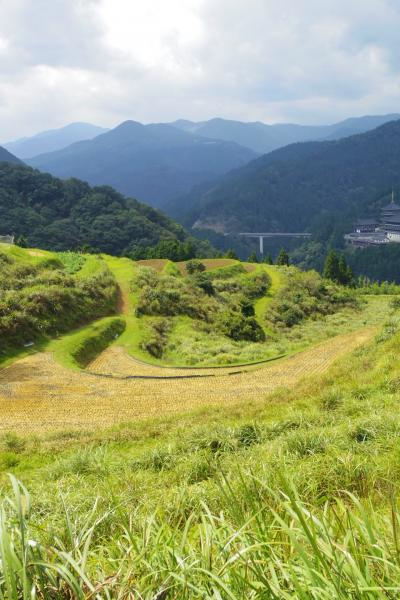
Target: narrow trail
37,394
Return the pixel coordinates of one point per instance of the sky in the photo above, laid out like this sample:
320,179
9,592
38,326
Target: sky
105,61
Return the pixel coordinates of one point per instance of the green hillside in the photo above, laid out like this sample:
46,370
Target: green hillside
278,479
7,157
304,187
67,215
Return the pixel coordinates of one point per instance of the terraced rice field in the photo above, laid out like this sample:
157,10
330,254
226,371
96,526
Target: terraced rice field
156,263
210,263
38,395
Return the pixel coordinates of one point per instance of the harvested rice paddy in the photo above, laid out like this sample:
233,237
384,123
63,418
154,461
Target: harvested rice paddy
38,395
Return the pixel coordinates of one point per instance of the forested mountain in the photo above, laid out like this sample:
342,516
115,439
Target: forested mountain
264,138
152,162
6,156
58,215
300,187
54,139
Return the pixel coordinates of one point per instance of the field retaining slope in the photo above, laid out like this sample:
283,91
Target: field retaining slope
38,395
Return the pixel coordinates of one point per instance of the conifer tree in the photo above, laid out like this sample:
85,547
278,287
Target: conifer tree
267,260
346,275
331,267
231,254
253,258
283,258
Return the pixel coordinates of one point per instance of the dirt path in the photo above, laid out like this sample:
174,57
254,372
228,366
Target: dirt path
37,394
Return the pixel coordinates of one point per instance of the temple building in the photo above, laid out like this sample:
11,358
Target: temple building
372,232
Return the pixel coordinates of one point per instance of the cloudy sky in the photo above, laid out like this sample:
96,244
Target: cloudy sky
104,61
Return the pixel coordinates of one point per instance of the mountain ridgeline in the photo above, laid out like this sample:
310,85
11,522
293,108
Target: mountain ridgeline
63,215
263,138
53,139
7,157
154,163
301,187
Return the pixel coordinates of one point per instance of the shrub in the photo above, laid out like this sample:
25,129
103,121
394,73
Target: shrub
157,338
238,327
194,266
42,300
307,295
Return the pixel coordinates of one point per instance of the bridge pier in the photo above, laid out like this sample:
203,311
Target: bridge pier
261,245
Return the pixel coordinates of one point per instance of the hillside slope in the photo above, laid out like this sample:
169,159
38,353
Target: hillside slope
58,215
53,139
264,138
7,157
297,187
152,162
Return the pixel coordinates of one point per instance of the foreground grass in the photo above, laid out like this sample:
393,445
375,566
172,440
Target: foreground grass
290,496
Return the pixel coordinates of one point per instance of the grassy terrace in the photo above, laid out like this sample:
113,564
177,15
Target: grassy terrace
228,523
279,481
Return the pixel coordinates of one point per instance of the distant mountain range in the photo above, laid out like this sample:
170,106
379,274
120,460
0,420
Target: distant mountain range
52,140
154,163
6,156
264,138
161,164
297,187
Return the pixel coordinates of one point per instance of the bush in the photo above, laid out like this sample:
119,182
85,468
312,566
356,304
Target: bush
239,327
41,300
157,338
194,266
307,295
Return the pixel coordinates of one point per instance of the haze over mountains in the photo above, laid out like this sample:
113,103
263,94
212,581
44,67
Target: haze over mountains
53,139
219,184
264,138
158,163
154,163
296,187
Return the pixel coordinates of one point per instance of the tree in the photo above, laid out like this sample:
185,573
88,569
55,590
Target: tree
346,275
231,254
331,267
283,258
252,258
267,260
194,266
336,269
21,241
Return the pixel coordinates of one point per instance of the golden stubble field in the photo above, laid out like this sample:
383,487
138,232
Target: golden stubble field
37,395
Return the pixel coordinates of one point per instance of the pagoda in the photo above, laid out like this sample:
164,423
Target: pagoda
391,220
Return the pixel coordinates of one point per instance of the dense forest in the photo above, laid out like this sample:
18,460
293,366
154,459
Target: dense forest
48,213
300,187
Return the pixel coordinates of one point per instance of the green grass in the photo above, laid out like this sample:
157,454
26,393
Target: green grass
43,294
291,496
75,350
277,278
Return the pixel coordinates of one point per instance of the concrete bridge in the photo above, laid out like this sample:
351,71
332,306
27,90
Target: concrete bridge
262,236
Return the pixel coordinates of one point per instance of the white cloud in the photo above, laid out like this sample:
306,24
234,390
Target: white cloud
108,60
